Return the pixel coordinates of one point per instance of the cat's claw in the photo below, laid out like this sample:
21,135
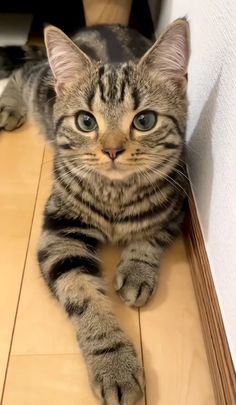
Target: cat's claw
117,378
135,285
11,117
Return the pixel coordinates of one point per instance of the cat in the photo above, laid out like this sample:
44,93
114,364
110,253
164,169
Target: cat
114,107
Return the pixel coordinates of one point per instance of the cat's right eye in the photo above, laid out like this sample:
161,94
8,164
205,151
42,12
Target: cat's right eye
85,121
145,120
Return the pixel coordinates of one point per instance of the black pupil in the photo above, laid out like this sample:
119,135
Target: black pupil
144,120
88,122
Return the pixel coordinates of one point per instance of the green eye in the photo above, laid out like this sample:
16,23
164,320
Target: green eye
145,120
85,121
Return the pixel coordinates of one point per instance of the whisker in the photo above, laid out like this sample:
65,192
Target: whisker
155,189
171,181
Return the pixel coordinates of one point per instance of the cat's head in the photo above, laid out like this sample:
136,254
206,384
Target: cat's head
121,119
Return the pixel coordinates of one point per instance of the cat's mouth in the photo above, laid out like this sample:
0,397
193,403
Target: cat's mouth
116,166
116,170
113,165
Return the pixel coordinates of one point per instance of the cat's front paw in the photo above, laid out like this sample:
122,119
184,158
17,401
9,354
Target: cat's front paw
136,281
11,116
116,375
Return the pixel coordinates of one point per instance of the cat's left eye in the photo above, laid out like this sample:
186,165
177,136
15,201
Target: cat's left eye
85,121
145,120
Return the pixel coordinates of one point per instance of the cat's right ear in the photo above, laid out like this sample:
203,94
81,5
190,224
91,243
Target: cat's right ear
66,60
170,53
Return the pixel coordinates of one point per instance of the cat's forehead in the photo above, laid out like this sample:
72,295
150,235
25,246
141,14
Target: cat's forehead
111,90
115,86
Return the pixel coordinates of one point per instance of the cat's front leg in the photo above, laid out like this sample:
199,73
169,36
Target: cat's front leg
70,267
138,271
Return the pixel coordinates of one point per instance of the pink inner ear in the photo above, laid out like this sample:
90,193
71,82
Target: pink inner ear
66,60
173,52
170,54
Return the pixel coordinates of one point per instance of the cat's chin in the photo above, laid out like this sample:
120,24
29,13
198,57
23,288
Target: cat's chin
116,174
115,171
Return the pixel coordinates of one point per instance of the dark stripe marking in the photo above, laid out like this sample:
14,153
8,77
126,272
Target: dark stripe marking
174,120
63,266
59,122
107,350
173,232
127,70
90,99
142,216
104,335
53,223
42,255
89,241
65,146
143,262
160,242
119,393
51,95
136,98
170,145
100,83
122,92
77,309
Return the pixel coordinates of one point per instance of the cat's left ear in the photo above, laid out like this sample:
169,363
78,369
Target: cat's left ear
170,53
66,60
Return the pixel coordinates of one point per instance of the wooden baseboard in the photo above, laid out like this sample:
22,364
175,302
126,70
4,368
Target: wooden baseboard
220,361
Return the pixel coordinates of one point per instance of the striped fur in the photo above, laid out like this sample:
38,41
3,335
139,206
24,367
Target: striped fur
136,202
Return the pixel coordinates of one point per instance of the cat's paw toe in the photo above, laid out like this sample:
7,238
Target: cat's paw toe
118,378
11,118
136,285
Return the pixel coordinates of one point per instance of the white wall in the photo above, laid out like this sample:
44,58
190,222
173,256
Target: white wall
211,136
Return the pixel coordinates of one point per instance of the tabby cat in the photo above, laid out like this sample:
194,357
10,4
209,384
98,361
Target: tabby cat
114,107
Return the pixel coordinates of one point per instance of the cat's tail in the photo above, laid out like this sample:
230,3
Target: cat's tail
14,57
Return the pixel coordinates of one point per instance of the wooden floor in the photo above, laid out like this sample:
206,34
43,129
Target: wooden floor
40,363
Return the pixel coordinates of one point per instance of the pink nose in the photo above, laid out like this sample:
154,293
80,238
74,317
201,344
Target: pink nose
113,152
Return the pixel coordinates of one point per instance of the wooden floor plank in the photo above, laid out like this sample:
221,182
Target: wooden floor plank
21,156
177,371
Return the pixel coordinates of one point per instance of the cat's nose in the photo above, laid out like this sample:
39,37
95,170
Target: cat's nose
113,153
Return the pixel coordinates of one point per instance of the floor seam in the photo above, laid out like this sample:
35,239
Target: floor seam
22,279
44,354
141,347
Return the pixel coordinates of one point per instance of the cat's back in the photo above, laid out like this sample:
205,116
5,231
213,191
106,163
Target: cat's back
112,43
